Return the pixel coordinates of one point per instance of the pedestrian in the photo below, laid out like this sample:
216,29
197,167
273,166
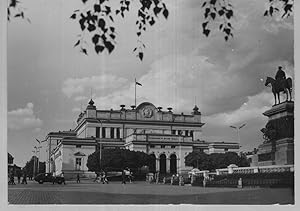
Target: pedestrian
101,176
78,178
19,176
130,176
105,178
123,177
24,180
12,179
63,177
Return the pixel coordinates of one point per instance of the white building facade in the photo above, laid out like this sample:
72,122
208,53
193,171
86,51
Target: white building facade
166,136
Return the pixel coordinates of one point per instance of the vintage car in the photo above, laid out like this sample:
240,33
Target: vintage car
46,177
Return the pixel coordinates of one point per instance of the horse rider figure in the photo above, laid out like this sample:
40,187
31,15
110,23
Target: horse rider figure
280,77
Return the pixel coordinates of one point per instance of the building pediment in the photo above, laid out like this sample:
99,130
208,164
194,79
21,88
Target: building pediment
79,154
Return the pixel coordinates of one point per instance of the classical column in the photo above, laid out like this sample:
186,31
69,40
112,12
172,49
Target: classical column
178,165
107,132
168,160
157,164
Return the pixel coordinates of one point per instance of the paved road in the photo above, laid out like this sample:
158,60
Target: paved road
142,193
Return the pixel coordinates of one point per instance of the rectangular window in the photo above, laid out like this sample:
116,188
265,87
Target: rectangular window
97,132
103,132
78,164
186,133
173,147
226,149
162,146
191,133
78,146
179,132
173,132
112,132
118,132
152,146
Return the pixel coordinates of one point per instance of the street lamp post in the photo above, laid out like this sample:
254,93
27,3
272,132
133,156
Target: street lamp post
100,145
237,128
37,151
38,155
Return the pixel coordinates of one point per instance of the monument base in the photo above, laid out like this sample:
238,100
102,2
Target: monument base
284,154
279,153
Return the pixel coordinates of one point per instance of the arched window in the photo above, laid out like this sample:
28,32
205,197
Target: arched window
162,164
173,164
152,163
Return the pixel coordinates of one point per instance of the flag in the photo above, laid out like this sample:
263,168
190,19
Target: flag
138,83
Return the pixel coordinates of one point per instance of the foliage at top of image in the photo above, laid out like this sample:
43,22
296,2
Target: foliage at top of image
96,19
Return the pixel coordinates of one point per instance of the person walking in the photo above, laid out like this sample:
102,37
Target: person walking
24,180
19,176
130,176
12,179
123,177
63,178
78,178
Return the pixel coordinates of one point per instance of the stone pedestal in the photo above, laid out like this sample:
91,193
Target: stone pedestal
280,149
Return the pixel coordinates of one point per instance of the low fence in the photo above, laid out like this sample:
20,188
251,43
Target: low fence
256,169
267,179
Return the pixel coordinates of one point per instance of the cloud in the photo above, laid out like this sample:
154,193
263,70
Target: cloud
23,118
76,110
251,109
73,86
80,98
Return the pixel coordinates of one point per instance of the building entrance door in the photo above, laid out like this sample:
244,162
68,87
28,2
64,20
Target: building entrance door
162,164
173,164
152,165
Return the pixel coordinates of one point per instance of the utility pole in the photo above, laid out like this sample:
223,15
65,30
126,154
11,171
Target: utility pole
33,163
237,128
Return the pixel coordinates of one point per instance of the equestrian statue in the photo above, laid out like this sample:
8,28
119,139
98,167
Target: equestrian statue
280,84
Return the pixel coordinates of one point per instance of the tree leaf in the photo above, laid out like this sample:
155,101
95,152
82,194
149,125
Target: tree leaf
207,11
213,15
73,16
157,10
95,38
206,32
141,55
97,7
229,14
221,12
204,25
112,29
77,43
91,27
101,23
83,50
99,48
166,13
112,36
152,21
109,46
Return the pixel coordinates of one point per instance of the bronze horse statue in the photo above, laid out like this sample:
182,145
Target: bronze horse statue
284,85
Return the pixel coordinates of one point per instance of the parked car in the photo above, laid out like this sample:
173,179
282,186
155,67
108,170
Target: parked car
46,177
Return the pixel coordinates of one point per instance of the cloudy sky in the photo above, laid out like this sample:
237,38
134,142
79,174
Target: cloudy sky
49,81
